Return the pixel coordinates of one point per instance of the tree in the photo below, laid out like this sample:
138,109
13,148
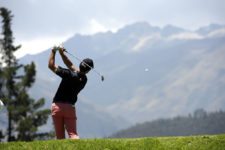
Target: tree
24,114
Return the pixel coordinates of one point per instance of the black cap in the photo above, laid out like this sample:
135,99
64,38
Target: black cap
86,65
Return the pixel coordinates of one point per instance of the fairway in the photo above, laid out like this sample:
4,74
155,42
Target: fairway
206,142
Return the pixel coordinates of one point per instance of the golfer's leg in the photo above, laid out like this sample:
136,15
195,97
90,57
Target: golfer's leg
58,122
71,128
59,127
71,123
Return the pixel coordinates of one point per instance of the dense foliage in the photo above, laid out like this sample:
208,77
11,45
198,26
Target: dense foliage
199,123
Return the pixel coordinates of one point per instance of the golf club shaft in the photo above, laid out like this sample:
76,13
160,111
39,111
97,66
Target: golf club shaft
102,78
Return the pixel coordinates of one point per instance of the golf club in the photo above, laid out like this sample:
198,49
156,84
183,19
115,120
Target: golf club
102,77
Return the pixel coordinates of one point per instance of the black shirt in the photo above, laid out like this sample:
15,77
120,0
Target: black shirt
72,83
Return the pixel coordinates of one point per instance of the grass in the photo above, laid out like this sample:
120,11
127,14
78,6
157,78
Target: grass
207,142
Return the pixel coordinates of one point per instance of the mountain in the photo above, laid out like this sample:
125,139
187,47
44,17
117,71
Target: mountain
171,30
200,123
210,28
150,72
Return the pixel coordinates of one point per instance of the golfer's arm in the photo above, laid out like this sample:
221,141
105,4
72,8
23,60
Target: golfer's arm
67,62
51,62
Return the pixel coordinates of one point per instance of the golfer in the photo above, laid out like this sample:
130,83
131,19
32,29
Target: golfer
73,81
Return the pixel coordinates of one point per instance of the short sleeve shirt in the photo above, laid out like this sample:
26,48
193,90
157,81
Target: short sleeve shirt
71,84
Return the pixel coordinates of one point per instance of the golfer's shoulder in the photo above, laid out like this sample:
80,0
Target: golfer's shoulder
61,69
63,72
75,74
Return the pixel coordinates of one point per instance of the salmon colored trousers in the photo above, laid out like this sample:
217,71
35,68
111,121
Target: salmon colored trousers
64,117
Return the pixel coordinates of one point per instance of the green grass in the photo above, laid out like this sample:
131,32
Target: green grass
207,142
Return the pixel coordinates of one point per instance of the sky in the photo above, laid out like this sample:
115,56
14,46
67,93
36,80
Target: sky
41,24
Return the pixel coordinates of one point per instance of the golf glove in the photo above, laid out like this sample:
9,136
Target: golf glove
57,48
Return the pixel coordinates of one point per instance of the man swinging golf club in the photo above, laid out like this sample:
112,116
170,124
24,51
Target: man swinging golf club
73,81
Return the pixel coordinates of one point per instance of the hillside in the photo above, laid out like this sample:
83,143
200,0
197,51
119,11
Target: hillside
186,72
199,123
215,142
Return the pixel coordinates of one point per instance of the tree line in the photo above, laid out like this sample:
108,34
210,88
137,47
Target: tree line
24,113
198,123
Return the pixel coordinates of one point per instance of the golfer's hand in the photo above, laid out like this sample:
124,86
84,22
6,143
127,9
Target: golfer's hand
61,50
54,49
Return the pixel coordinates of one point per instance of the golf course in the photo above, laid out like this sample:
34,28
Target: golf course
203,142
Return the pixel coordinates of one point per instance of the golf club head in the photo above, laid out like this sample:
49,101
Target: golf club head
102,78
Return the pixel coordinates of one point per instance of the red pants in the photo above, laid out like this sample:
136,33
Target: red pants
64,117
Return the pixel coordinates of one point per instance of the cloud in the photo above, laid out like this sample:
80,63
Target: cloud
150,40
185,36
217,33
96,27
38,45
54,16
35,19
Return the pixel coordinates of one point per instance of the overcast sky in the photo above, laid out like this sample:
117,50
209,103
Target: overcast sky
38,24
